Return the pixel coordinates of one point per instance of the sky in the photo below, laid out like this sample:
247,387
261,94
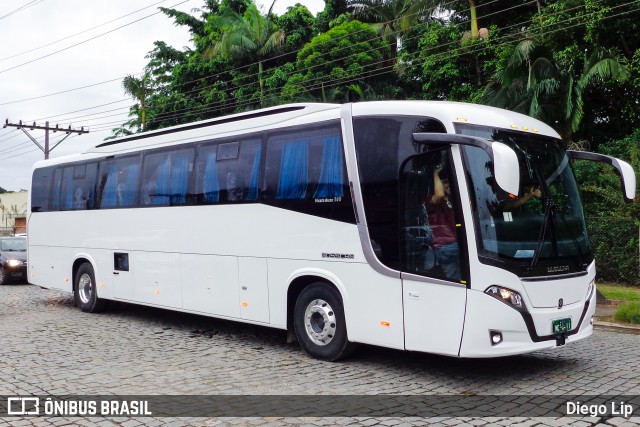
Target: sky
83,48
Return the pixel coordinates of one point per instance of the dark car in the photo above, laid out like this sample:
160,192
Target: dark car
13,259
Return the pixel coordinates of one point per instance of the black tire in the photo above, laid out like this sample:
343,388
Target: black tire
319,323
3,277
85,292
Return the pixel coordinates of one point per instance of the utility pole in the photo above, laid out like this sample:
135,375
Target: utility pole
46,150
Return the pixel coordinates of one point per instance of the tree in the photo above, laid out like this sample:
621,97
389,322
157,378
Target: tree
534,83
348,53
392,18
251,36
138,88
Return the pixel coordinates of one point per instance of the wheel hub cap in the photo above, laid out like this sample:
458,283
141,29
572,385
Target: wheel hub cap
320,322
85,288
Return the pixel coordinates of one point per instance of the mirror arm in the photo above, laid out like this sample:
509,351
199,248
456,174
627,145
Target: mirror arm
509,182
623,169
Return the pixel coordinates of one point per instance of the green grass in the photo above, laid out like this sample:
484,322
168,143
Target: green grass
628,312
620,292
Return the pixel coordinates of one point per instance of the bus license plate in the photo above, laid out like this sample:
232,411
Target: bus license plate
561,325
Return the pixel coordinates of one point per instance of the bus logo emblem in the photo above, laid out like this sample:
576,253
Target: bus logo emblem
560,303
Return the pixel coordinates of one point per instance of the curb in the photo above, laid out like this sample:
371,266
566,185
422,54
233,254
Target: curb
615,327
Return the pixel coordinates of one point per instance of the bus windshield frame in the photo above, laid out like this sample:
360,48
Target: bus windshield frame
542,230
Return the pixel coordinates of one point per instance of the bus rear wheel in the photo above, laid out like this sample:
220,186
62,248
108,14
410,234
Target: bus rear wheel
319,323
84,290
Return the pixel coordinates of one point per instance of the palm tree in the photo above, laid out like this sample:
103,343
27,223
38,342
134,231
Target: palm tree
250,36
534,83
138,89
391,18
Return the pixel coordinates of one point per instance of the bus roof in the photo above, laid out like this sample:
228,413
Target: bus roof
449,113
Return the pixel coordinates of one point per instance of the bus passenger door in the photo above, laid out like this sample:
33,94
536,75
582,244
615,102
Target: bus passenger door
434,294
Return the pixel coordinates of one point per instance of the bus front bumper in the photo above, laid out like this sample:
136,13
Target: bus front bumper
493,328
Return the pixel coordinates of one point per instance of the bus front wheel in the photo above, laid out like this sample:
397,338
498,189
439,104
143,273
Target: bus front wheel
319,323
84,291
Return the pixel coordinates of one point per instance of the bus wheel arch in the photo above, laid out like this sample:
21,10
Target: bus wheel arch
85,293
316,315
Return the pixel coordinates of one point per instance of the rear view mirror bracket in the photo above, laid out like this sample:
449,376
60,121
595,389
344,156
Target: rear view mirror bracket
506,169
624,170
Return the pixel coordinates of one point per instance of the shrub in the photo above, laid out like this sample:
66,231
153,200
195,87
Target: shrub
629,312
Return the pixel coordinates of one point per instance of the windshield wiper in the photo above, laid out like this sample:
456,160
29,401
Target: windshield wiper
549,206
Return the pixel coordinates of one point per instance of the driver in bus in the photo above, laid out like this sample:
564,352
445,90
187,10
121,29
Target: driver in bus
443,226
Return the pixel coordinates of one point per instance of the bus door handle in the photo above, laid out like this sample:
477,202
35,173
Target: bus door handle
116,272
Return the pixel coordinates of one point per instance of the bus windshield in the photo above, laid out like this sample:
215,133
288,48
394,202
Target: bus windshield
541,230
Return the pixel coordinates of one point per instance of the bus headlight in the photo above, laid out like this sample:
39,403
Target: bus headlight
591,290
14,263
507,296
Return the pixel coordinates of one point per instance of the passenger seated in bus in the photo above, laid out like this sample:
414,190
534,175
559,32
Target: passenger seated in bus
233,192
79,201
443,226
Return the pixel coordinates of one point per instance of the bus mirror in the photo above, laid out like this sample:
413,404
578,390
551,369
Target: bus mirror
506,169
624,169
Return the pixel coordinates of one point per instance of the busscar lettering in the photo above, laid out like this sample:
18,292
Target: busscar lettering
337,256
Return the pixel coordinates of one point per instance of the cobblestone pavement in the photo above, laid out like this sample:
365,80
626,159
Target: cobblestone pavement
49,347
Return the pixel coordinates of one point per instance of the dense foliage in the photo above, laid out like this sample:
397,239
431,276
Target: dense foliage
574,64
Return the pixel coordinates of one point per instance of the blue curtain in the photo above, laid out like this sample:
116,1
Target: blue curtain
179,180
210,185
69,191
57,190
163,183
130,193
110,191
331,174
294,171
255,176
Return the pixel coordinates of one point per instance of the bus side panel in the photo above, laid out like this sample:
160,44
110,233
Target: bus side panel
254,292
157,279
39,265
372,302
210,284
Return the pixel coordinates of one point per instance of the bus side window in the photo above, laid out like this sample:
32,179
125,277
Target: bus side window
228,172
118,182
78,183
165,177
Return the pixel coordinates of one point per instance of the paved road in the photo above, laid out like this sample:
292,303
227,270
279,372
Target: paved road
48,347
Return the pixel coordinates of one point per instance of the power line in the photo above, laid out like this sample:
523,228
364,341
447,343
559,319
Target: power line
85,41
221,73
81,32
390,68
21,8
279,56
329,83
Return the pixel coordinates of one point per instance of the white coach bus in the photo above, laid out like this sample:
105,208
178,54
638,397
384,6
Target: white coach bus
439,227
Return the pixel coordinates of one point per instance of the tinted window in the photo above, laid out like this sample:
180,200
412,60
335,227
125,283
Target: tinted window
382,145
228,172
41,189
305,172
118,182
78,186
165,178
